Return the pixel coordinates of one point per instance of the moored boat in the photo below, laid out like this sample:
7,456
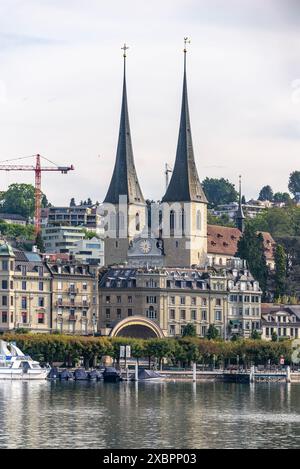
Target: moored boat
14,364
80,375
94,375
111,375
148,374
65,375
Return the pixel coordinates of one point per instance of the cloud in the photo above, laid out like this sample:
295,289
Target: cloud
61,78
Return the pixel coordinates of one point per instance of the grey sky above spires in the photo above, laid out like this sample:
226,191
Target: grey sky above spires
244,91
185,185
124,180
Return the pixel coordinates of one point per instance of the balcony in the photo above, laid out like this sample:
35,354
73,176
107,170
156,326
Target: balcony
24,325
72,317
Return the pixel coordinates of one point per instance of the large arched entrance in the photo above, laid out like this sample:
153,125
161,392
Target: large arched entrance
137,327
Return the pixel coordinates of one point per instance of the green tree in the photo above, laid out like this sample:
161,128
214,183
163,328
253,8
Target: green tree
255,335
294,183
219,191
223,220
212,332
39,242
280,270
251,248
189,330
20,199
274,337
282,197
266,193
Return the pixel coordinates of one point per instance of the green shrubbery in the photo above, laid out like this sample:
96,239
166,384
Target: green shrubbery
68,349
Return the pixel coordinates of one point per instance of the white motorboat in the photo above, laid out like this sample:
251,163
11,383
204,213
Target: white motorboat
14,364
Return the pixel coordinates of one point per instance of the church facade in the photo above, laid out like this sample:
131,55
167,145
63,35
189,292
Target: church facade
165,266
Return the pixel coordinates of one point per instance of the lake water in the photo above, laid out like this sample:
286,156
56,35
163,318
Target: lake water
149,415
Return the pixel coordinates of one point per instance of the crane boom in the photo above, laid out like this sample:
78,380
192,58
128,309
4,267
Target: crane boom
38,177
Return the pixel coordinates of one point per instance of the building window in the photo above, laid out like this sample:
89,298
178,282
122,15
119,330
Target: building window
172,329
23,270
218,315
172,300
41,302
24,302
193,315
182,314
204,302
151,299
130,299
204,315
119,299
182,220
11,301
11,284
11,265
193,301
24,285
129,312
137,222
203,331
4,316
4,284
5,265
24,318
4,300
84,286
107,313
218,302
107,299
151,313
119,313
41,286
41,271
172,313
172,221
182,300
41,318
84,313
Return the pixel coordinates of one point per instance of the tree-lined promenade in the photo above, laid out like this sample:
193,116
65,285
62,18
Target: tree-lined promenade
178,352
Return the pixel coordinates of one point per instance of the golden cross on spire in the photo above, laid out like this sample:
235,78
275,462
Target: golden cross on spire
124,48
186,41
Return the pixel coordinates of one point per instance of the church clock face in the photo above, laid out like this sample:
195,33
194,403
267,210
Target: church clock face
145,246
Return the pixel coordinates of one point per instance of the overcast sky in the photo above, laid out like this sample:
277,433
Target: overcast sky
61,80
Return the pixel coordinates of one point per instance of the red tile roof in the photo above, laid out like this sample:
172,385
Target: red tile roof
223,240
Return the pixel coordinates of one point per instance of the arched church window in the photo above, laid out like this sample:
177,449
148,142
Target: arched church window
172,221
182,220
137,222
198,218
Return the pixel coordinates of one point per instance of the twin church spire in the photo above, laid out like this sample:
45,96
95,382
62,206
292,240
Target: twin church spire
184,186
124,180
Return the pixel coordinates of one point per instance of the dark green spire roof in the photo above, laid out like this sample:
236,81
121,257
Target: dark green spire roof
239,216
185,185
124,180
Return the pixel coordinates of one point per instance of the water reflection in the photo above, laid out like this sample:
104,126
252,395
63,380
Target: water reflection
148,415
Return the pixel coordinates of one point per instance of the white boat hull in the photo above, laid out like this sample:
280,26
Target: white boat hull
12,374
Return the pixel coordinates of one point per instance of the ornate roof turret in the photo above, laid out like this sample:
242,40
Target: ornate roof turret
124,180
185,185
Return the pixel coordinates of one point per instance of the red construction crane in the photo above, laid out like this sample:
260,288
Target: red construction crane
38,176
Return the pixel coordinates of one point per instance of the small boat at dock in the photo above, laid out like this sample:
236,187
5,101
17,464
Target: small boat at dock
14,364
65,375
111,375
80,375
